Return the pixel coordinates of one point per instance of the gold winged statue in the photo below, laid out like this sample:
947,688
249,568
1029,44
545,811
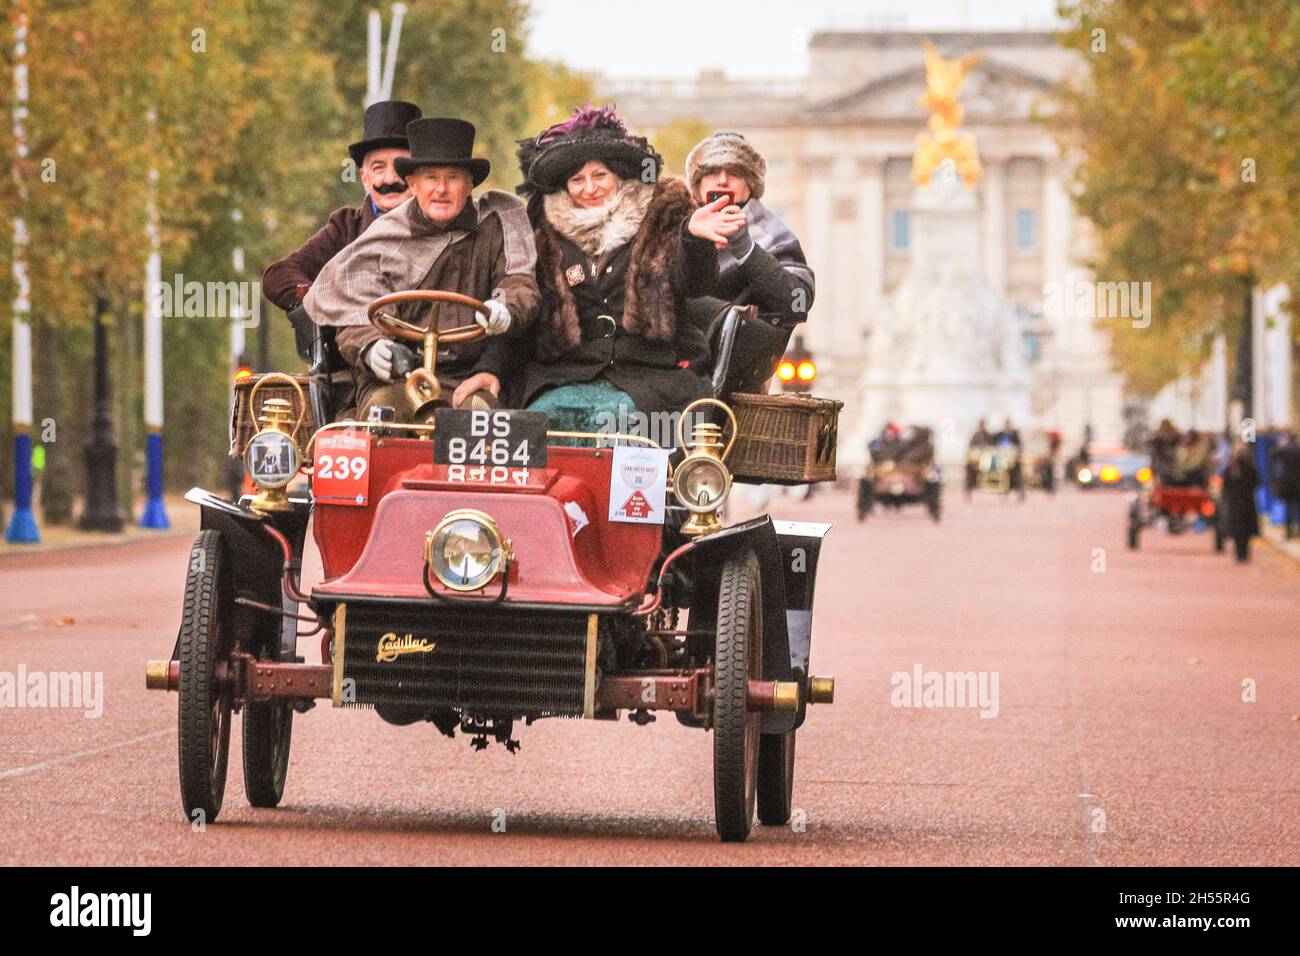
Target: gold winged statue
943,80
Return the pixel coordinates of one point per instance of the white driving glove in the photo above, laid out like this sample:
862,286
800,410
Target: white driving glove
379,358
497,320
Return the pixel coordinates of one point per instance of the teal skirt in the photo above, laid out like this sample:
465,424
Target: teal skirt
595,406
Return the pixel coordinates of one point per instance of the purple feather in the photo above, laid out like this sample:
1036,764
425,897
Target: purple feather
585,117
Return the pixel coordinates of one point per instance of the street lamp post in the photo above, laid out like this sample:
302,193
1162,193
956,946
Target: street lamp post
103,511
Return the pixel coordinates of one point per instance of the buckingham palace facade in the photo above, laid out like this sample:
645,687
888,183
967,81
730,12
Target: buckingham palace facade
839,145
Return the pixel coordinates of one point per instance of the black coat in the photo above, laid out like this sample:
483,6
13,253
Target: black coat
1286,472
1240,479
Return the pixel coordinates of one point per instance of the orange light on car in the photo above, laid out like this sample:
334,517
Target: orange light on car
1144,475
785,371
807,371
1109,474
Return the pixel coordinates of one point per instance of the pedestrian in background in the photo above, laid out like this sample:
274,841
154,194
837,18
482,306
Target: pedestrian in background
1240,479
1286,480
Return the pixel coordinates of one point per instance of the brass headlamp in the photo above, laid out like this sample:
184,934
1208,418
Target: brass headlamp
702,481
272,456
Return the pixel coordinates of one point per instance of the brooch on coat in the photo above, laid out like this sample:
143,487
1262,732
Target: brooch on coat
575,274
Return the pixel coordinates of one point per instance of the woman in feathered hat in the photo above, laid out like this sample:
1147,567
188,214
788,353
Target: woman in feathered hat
618,251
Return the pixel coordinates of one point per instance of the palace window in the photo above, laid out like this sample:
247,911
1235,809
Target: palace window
1026,230
901,234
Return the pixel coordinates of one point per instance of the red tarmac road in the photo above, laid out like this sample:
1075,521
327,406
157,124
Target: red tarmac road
1121,735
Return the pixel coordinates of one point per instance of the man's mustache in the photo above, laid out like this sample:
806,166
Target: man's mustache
386,188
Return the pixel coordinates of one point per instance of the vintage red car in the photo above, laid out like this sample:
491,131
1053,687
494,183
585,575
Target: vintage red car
1175,507
479,575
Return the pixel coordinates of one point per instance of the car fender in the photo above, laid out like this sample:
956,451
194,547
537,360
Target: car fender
258,572
787,554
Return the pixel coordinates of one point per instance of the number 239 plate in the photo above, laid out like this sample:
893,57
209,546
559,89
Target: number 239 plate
341,469
508,439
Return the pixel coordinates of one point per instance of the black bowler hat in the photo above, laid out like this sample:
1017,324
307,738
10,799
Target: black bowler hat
440,141
384,128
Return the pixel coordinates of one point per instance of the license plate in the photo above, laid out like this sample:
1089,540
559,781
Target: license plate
341,469
489,438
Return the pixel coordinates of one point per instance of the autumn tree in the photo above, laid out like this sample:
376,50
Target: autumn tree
1183,126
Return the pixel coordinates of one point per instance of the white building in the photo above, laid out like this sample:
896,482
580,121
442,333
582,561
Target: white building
839,146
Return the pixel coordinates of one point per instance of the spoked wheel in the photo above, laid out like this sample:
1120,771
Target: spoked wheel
268,726
738,659
775,778
204,706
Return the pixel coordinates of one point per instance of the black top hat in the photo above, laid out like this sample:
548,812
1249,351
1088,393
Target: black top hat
385,128
439,141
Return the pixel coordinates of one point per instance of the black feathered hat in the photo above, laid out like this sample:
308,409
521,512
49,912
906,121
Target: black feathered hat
591,133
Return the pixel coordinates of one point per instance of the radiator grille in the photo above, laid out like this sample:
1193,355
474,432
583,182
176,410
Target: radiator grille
490,662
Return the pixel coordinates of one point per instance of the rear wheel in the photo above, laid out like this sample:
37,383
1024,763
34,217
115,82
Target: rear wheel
268,727
738,659
268,724
1218,531
932,502
204,706
775,778
1134,528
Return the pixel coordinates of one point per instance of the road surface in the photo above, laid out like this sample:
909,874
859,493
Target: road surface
1120,733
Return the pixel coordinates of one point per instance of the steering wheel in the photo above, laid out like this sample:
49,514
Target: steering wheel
396,328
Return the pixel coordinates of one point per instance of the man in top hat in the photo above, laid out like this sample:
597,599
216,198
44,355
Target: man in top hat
441,238
382,143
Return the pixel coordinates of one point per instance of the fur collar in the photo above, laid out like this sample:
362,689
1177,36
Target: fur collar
598,230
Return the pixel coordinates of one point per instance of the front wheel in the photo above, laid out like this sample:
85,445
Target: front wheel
203,739
738,659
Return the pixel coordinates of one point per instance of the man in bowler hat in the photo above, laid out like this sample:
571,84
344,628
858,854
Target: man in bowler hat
441,238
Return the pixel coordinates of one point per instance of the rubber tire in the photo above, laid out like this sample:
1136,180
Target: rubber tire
933,504
1218,533
203,715
738,658
1132,536
775,778
267,734
268,730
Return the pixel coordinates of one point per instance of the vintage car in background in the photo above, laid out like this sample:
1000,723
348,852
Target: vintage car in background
1176,508
1113,468
1039,459
481,574
994,467
901,472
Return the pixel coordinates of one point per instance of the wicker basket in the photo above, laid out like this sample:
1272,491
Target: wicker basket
243,425
784,439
